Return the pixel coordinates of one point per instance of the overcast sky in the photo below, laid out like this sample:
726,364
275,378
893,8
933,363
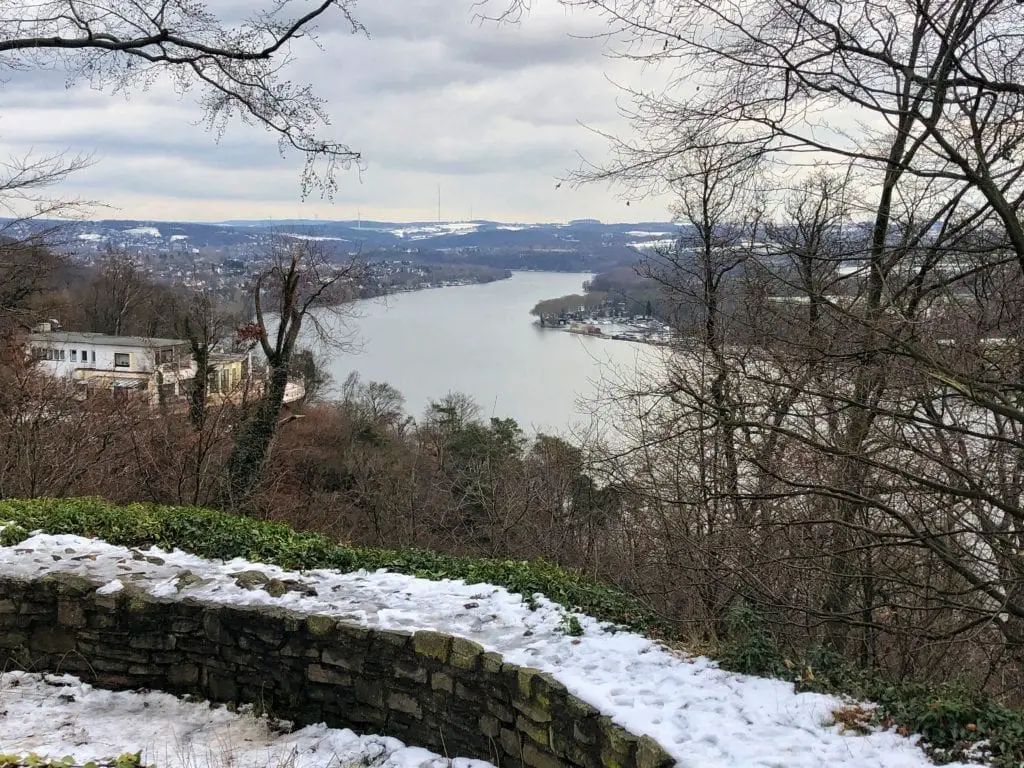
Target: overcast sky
492,114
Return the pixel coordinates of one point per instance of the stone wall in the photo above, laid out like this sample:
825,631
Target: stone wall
425,688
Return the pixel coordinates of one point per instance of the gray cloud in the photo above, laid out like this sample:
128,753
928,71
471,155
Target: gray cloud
489,113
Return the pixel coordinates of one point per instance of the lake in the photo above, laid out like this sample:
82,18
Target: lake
480,340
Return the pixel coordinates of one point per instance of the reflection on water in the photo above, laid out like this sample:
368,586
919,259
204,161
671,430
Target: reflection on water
480,340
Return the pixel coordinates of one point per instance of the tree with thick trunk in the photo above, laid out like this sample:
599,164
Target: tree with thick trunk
301,279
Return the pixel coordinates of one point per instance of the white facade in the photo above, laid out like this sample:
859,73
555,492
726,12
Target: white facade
97,359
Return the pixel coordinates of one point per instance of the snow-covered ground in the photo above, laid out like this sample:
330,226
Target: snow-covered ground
704,716
145,231
57,715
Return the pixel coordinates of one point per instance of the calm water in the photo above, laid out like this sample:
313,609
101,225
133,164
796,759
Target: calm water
480,340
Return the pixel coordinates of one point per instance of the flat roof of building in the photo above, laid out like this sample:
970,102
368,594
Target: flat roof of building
102,339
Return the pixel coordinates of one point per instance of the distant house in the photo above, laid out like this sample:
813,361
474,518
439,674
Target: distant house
151,367
228,373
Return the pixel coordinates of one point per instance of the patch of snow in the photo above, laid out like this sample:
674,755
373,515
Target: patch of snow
55,716
512,227
175,238
845,270
145,231
423,231
664,242
315,238
110,587
704,716
92,236
646,233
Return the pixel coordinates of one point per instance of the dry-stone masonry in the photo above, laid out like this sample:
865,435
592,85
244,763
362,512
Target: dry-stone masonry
425,688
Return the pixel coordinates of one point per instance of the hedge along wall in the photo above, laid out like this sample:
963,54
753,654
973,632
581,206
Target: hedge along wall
425,688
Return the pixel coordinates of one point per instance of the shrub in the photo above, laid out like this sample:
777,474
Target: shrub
749,646
218,535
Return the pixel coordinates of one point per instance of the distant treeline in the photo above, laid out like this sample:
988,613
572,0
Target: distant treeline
620,292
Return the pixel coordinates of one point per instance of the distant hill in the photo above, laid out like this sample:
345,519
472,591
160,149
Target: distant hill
584,244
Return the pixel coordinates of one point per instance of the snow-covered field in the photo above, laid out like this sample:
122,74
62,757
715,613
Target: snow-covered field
57,715
704,716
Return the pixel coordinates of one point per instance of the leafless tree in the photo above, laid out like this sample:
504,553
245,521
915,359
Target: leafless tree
302,287
884,362
234,67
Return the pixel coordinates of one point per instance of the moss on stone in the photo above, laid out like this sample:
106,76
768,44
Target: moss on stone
650,754
464,653
318,625
432,644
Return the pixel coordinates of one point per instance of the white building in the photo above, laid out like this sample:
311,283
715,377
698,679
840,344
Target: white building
153,367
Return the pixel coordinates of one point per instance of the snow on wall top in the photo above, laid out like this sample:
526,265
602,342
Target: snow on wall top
703,715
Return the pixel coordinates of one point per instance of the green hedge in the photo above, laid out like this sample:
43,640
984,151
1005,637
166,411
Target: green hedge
212,534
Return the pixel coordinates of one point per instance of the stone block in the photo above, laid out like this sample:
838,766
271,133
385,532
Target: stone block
369,692
465,654
511,742
153,642
69,584
393,637
442,681
491,662
52,640
340,657
318,625
650,754
220,687
403,702
432,644
540,758
317,673
524,681
534,712
215,629
501,711
409,671
70,614
183,675
536,733
489,726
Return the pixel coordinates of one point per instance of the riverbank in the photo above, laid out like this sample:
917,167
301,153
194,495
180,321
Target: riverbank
641,331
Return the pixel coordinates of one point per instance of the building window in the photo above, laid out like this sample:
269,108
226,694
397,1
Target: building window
63,354
122,360
94,355
74,355
165,356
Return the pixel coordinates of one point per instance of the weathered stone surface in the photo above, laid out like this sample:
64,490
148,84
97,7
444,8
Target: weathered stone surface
369,692
320,625
405,703
465,654
427,688
537,733
534,712
432,644
182,675
442,681
413,672
46,640
250,579
649,754
539,758
70,614
321,674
